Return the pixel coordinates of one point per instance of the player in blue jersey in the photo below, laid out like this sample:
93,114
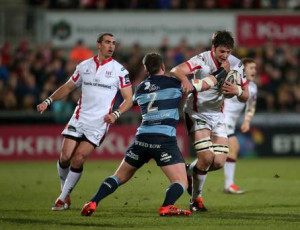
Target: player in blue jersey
158,97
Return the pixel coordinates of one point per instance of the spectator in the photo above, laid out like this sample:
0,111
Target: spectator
80,52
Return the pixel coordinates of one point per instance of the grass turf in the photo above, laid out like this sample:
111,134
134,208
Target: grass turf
28,190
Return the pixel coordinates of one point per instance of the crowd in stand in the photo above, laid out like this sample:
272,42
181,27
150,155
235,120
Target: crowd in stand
29,74
166,4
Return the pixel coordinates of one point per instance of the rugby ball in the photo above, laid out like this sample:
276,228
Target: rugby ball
233,77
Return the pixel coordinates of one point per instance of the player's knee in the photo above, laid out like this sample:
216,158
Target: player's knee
204,151
78,159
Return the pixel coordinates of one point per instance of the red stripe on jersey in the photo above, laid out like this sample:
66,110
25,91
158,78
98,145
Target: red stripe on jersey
215,61
245,83
122,85
190,67
79,108
222,107
96,60
75,78
195,102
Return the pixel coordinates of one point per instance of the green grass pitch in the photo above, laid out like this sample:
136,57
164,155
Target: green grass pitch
272,201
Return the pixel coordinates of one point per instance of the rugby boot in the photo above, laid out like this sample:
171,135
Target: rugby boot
89,208
234,189
197,205
59,205
171,210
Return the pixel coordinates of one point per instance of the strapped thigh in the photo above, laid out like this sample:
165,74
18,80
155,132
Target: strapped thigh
203,145
220,149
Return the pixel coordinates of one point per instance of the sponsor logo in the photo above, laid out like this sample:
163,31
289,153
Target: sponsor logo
132,155
151,87
147,145
71,128
165,157
126,79
200,122
97,84
61,30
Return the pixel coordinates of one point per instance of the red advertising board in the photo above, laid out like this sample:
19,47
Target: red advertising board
253,30
43,142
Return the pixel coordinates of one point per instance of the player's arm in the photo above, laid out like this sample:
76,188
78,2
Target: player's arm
181,71
60,93
125,105
249,113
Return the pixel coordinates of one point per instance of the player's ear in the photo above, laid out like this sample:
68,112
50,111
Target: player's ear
163,68
213,48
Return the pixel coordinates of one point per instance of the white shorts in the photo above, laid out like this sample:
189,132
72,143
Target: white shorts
230,122
77,129
213,122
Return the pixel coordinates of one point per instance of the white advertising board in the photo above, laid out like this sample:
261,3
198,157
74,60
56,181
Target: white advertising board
145,28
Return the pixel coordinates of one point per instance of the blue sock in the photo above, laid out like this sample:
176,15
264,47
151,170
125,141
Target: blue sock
108,186
173,193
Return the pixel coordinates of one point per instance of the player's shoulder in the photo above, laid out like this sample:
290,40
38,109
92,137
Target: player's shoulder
119,67
86,62
235,62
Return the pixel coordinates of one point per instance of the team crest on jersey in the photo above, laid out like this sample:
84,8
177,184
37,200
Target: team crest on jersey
108,74
126,79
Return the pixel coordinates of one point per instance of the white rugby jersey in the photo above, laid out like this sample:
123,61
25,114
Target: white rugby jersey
99,84
209,101
233,107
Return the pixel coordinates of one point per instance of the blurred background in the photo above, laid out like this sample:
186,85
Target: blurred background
42,41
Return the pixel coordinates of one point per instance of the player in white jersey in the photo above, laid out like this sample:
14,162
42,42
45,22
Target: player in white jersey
204,118
99,79
232,110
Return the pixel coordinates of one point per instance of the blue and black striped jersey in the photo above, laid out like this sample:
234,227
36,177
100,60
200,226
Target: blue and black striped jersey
158,97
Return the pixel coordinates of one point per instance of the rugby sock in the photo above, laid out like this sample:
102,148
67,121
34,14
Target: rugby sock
71,181
199,177
108,186
173,193
229,169
62,172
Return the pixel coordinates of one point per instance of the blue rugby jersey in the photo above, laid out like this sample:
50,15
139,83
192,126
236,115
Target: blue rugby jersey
158,97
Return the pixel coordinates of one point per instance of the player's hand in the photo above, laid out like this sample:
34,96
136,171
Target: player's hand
226,65
110,118
229,89
245,127
186,86
42,107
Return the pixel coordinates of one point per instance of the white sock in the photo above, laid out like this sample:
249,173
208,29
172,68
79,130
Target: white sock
62,173
229,169
198,183
71,181
192,165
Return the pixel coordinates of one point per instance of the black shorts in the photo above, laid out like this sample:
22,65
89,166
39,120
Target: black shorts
163,149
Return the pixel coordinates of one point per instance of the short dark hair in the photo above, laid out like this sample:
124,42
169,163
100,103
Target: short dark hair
222,38
247,61
152,62
101,36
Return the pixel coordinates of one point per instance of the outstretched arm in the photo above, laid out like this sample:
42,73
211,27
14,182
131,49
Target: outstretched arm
60,93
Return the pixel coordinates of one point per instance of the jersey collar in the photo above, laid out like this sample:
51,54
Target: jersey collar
96,60
215,61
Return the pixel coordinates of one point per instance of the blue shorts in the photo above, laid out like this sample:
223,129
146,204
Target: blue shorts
163,149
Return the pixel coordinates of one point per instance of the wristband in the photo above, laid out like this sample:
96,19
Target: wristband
48,100
117,113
